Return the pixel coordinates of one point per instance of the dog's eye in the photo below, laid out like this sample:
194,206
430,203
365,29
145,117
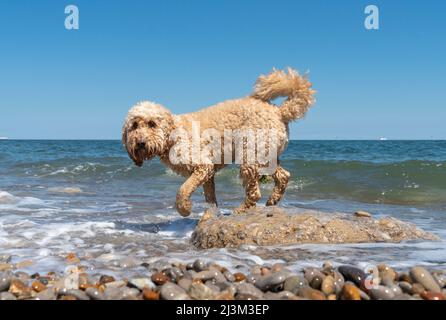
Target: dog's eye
135,126
151,124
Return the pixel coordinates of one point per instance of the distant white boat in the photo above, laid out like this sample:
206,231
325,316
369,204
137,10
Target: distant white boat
3,138
382,139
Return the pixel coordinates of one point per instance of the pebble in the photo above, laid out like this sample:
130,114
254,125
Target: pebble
353,274
350,292
210,274
249,291
294,283
141,283
310,293
149,294
19,289
171,291
405,286
225,295
185,283
106,279
5,258
199,291
78,294
5,281
199,265
381,293
387,275
417,288
7,296
238,276
159,278
94,294
47,294
422,276
363,214
339,281
38,286
328,285
229,276
429,295
264,283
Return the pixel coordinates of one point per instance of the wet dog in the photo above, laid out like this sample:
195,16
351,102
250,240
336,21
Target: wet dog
151,130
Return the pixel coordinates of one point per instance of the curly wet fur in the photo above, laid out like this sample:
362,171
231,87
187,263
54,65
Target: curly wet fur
148,127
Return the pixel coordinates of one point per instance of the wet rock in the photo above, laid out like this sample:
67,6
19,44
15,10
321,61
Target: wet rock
404,276
47,294
78,294
310,293
115,284
238,276
185,283
406,287
174,273
339,281
429,295
19,289
7,296
149,294
314,277
350,273
363,214
363,295
395,289
94,294
171,291
38,286
294,283
225,295
5,281
387,275
328,285
199,265
72,258
403,296
229,276
68,297
210,274
417,288
308,227
141,283
350,292
159,278
265,283
106,279
199,291
84,282
381,293
331,297
422,276
248,291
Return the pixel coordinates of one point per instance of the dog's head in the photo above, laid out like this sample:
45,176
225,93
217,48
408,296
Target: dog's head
146,131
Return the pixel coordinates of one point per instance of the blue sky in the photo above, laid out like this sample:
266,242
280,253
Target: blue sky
60,84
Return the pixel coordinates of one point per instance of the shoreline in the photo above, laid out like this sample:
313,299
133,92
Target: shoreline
209,281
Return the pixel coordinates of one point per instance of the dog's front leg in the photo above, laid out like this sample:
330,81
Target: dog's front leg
199,176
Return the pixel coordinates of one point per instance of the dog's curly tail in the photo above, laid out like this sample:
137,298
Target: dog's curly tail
289,84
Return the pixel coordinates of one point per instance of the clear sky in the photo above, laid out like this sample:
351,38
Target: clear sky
79,84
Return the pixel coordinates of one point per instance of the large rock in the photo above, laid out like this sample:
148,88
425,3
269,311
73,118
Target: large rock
273,225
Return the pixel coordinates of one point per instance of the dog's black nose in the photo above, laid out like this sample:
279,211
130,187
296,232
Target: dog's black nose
141,145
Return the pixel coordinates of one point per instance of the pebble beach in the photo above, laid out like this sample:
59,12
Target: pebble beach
200,280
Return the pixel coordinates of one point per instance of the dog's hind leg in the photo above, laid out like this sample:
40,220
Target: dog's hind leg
209,191
281,178
199,176
250,177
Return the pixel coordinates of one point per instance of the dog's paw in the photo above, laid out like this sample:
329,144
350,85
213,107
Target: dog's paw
184,207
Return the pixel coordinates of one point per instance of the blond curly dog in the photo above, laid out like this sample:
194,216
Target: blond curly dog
149,127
